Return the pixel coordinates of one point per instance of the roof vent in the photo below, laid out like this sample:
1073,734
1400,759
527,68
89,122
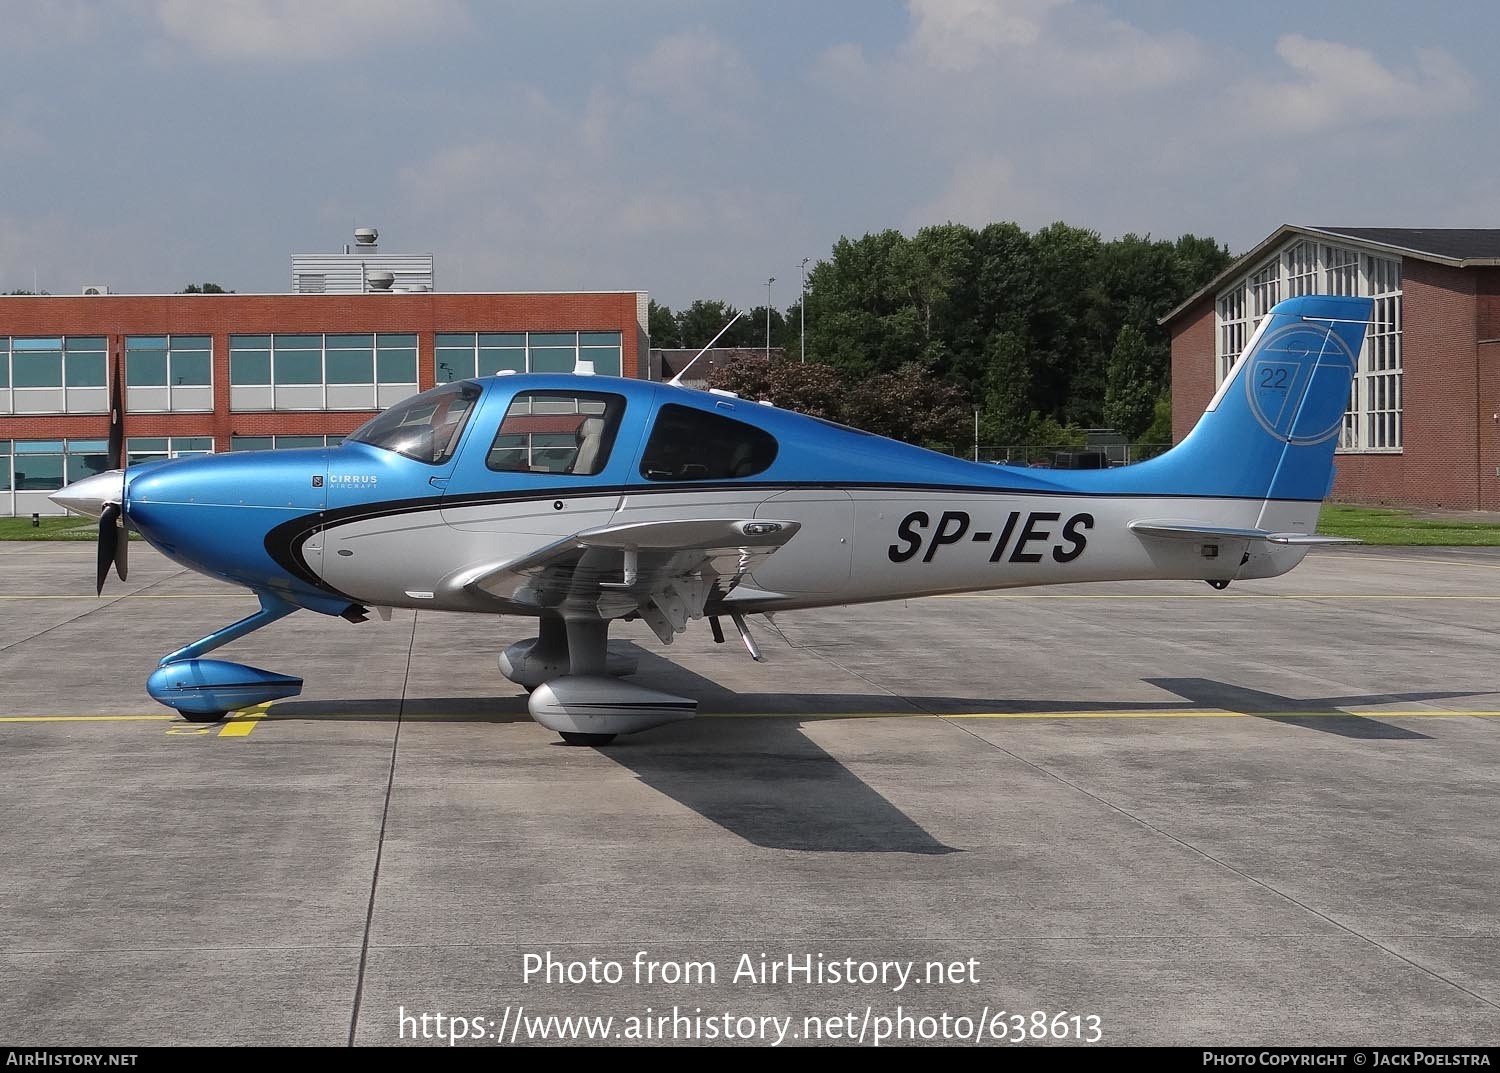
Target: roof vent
380,281
366,236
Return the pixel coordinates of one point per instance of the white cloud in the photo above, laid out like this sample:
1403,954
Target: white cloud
693,72
299,29
1334,84
28,24
981,190
959,34
1058,45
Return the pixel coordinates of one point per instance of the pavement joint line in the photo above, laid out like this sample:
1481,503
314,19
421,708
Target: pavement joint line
385,816
1437,561
710,940
101,602
1043,769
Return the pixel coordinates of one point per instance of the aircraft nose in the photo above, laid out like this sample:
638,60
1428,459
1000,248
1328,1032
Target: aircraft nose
88,496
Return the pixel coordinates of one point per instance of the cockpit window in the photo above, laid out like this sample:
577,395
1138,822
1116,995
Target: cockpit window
696,445
426,427
557,432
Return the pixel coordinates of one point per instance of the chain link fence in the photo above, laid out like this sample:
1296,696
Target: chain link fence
1064,456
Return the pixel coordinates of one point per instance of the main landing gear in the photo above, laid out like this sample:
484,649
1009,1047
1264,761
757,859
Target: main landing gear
574,683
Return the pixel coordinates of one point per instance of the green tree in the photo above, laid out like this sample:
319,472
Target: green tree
751,329
662,325
1133,383
1007,389
204,288
860,315
701,321
1160,429
998,311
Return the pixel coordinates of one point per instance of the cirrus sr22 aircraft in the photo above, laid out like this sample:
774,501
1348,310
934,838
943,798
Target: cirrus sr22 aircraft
580,501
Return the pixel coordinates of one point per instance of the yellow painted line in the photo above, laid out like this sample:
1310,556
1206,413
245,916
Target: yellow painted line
242,722
83,718
1143,714
131,596
1201,596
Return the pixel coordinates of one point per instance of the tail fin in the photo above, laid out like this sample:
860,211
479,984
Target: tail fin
1271,430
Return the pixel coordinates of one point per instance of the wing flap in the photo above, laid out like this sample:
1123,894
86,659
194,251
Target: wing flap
666,572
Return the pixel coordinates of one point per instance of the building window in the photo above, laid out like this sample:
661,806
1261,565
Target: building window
1373,420
1301,262
1378,384
47,465
1233,330
1264,292
281,443
140,449
165,373
461,355
54,375
6,482
1340,271
350,371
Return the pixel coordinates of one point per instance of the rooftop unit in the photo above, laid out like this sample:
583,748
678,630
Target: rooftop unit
361,269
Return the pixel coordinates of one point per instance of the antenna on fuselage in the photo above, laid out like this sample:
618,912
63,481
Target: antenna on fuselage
676,381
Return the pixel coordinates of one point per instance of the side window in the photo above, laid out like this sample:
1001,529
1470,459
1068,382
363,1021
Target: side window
554,432
697,445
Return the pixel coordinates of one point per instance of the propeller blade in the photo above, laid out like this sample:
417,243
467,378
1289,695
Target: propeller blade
122,548
116,427
109,537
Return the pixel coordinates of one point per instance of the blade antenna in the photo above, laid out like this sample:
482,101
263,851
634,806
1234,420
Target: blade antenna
676,381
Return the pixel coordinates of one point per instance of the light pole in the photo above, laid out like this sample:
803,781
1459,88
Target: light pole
802,308
977,408
768,316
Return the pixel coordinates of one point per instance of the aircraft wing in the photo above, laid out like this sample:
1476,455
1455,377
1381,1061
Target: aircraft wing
1196,531
664,571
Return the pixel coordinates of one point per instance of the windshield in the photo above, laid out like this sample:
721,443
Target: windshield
426,426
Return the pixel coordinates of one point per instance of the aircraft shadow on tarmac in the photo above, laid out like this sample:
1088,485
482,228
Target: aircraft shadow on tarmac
763,780
769,783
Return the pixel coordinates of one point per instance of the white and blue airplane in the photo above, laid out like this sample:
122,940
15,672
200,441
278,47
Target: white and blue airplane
580,501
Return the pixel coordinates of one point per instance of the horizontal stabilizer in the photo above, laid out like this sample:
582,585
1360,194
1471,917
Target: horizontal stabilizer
1196,531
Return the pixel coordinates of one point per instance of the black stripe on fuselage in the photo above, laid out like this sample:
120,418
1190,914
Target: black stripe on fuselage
284,542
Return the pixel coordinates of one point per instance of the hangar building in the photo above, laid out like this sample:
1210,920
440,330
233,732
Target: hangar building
1423,426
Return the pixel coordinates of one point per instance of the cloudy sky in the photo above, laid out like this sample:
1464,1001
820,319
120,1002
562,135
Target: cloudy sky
694,148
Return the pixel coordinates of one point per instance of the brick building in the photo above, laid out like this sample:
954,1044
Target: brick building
1423,426
224,372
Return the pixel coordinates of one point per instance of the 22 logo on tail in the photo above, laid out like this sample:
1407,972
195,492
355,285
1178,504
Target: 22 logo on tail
1028,541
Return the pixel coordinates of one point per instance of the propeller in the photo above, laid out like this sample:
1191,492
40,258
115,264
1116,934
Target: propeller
114,541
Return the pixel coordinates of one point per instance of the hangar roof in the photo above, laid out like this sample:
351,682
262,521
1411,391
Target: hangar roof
1457,247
